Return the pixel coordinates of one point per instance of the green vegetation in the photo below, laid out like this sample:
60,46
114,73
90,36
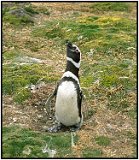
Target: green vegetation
18,77
21,15
111,6
103,141
30,9
17,15
36,10
16,140
18,20
102,33
21,95
88,153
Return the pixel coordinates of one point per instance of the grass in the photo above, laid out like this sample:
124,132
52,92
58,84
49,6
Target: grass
36,10
103,141
25,76
106,35
16,21
17,77
30,10
21,95
17,139
87,153
108,6
18,15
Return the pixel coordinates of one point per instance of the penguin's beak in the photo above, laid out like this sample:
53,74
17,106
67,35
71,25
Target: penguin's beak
69,44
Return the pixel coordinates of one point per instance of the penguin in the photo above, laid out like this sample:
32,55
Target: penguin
68,93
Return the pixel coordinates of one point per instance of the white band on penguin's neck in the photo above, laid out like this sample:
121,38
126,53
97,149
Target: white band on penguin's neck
77,65
70,74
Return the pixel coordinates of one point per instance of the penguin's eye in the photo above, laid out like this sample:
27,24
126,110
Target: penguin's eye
73,49
77,51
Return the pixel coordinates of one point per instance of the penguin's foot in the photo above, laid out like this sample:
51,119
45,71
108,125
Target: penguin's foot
74,128
59,126
54,128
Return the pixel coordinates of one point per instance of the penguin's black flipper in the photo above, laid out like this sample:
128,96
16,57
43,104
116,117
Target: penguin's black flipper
80,97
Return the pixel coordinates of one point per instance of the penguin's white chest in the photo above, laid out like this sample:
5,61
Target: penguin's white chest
66,104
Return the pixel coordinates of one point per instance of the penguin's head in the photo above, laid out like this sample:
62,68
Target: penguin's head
73,52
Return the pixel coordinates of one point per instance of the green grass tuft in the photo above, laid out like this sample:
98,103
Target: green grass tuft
18,21
111,6
103,141
88,153
30,10
21,95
